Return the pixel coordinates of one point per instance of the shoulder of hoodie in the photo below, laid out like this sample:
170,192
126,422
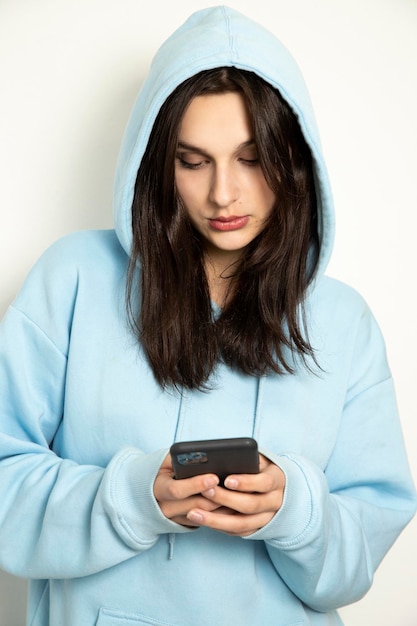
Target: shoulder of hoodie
83,251
336,303
330,288
92,258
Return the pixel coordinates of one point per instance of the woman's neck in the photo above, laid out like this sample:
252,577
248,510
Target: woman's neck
219,273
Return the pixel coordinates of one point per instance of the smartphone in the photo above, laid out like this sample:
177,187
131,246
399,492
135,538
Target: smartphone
222,457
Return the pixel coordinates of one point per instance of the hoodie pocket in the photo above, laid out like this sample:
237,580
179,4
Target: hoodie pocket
109,617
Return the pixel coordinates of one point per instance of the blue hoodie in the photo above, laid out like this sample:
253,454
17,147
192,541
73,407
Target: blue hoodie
85,427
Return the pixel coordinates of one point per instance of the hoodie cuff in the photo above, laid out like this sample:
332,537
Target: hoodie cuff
130,501
291,523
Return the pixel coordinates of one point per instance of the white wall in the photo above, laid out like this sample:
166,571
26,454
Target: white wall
69,71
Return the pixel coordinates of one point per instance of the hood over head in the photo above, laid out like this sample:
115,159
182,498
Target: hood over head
210,38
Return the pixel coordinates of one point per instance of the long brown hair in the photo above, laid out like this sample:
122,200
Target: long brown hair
262,327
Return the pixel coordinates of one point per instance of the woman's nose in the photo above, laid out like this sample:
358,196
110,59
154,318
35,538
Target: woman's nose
224,188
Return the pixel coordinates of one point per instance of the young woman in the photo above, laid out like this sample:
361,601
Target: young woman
205,314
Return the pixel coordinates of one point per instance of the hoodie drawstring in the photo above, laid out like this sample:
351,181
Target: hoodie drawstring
258,407
180,415
178,428
171,542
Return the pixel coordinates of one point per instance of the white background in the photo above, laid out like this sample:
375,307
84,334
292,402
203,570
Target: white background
69,72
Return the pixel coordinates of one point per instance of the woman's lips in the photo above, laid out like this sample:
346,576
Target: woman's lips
229,223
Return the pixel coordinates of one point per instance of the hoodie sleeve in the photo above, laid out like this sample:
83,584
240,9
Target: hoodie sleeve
58,518
336,525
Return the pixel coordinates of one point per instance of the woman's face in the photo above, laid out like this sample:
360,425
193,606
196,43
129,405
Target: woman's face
218,176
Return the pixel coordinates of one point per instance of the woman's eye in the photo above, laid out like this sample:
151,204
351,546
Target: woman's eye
250,162
190,165
249,158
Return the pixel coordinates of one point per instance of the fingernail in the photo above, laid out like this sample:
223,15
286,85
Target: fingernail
231,483
211,481
209,493
193,516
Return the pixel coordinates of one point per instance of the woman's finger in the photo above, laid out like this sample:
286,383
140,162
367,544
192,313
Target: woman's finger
229,522
167,488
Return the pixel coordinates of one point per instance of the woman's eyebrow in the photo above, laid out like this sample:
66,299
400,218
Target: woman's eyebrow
182,145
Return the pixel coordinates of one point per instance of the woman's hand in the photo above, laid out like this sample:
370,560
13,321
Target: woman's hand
249,502
176,498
